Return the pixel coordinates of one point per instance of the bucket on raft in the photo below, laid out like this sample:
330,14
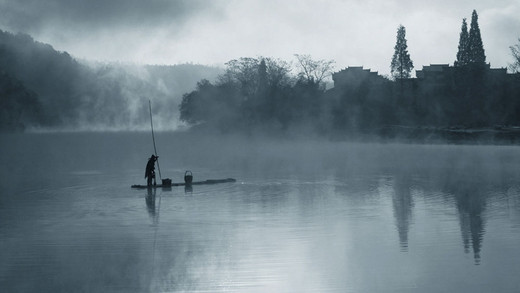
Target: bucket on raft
188,177
167,182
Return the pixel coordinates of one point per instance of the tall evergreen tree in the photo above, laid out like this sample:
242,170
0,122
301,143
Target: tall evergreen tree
401,65
476,49
262,76
463,53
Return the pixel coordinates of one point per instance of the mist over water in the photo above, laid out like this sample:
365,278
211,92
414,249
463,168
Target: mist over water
303,216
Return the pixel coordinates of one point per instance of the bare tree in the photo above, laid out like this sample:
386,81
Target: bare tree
251,74
243,71
278,72
515,51
314,70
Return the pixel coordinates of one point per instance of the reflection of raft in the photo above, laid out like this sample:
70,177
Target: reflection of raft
209,181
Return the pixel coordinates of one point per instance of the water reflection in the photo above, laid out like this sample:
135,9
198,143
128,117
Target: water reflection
468,194
329,228
471,202
150,205
402,201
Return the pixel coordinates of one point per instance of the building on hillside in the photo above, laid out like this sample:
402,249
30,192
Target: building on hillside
434,75
432,71
439,95
434,81
429,75
438,73
353,76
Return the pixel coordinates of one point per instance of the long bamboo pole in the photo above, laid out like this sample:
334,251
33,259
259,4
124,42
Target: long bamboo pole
153,138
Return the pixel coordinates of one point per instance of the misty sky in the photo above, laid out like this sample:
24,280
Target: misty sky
351,32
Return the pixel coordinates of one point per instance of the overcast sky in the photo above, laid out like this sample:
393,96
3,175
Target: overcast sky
351,32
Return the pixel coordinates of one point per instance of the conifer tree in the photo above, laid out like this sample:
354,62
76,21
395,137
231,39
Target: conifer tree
463,53
476,49
401,65
262,76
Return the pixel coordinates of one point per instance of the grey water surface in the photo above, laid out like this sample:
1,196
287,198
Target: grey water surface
303,216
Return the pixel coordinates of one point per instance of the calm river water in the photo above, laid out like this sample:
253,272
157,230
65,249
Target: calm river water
302,217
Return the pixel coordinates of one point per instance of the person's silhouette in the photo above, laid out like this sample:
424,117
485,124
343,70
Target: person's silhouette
150,170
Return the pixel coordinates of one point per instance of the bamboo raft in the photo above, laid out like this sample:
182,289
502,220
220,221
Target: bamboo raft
166,185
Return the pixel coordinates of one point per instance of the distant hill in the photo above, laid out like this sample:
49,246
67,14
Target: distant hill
181,78
44,88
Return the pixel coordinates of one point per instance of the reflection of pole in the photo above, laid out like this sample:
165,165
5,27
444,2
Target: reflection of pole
156,227
153,138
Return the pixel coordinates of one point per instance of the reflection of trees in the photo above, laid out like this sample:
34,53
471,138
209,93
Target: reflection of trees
470,205
468,190
470,201
403,204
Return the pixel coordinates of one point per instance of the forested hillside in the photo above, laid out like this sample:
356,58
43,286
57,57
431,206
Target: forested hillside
44,88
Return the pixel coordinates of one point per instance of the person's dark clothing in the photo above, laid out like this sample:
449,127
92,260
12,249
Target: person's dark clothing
150,170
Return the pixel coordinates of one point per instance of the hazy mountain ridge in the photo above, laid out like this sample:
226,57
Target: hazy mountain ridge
41,87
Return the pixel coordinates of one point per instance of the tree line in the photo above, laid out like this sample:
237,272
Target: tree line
41,87
260,94
266,94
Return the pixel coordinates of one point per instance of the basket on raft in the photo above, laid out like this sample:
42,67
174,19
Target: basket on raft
167,182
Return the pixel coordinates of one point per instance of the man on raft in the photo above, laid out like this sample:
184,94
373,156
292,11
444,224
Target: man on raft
150,170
